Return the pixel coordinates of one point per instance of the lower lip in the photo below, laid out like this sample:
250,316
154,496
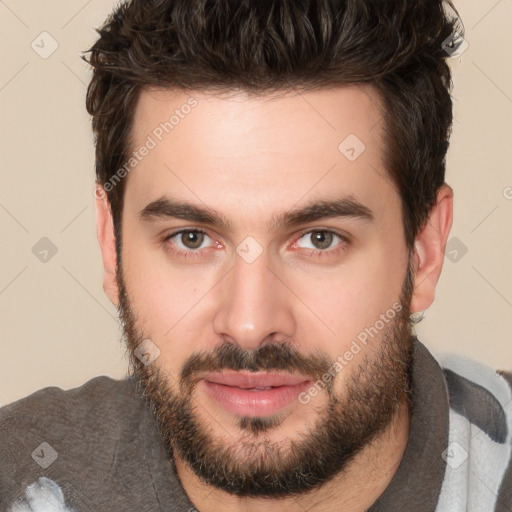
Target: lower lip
246,402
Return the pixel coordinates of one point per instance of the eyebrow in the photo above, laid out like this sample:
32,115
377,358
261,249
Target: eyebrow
346,206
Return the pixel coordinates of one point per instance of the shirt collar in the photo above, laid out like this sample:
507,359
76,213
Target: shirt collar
417,483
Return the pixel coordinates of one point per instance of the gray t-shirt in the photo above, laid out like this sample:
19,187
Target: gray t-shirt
100,444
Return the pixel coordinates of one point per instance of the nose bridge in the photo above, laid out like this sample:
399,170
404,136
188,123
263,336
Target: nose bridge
253,304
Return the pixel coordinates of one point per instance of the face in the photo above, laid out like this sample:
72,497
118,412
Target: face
264,271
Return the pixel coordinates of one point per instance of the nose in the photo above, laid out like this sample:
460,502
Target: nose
255,305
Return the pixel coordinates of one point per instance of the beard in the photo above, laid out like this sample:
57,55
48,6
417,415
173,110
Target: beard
253,465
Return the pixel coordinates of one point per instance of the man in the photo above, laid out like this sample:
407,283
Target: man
272,212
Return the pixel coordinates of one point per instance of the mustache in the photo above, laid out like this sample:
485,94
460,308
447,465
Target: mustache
271,356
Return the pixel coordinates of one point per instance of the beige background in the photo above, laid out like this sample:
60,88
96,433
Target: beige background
57,326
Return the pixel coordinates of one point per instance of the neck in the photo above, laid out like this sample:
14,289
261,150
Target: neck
355,489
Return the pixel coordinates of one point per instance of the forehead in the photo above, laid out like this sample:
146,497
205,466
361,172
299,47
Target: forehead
282,119
268,150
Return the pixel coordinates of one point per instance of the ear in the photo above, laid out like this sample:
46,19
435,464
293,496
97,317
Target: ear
429,250
107,241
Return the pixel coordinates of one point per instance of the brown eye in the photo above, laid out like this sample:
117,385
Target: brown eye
319,239
188,242
322,239
322,243
192,239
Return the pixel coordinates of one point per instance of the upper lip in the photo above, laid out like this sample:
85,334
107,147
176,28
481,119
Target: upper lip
254,380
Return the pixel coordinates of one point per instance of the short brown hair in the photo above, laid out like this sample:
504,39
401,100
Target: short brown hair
262,46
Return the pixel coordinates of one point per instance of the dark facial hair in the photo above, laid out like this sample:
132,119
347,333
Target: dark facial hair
256,467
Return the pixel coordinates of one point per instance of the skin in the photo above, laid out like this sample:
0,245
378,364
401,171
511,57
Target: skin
251,158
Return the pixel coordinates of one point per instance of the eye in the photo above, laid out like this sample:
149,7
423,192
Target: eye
190,242
322,240
186,242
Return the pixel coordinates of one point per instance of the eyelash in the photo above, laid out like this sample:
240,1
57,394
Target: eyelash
318,253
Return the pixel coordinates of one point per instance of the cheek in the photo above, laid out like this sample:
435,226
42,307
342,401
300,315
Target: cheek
160,295
172,303
353,299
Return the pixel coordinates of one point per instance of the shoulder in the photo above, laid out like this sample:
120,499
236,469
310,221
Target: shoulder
54,431
479,393
52,406
93,388
479,454
507,375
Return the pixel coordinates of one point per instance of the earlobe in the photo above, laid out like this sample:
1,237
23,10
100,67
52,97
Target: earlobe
107,241
429,249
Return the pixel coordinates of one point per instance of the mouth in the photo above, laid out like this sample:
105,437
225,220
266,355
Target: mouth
245,394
